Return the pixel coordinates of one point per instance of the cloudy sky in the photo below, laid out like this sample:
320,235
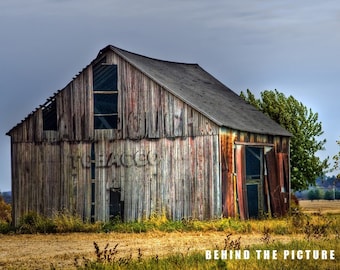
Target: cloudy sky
292,46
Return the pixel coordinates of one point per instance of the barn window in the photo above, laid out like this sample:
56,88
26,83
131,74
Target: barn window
105,92
254,162
50,116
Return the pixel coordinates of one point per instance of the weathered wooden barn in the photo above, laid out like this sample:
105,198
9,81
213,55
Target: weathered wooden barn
132,135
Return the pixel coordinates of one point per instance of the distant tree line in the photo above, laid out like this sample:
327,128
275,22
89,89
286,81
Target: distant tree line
325,188
319,194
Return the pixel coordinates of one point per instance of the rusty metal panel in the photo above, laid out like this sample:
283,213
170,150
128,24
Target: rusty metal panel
241,186
227,173
277,180
284,180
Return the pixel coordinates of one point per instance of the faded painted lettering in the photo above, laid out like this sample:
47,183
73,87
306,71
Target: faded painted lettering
138,159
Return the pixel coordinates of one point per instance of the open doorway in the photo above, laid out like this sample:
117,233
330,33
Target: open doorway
116,205
262,181
254,168
251,173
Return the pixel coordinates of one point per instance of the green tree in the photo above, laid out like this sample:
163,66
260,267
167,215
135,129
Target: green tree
337,195
329,195
314,194
336,160
305,128
311,195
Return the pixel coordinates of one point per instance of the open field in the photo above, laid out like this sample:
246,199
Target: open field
322,206
40,251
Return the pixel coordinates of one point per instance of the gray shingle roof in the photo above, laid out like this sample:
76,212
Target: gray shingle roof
202,91
206,94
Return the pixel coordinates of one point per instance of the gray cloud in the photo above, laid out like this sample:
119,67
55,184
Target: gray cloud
289,45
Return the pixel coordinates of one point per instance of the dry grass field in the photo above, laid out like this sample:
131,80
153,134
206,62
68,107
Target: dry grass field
40,251
322,206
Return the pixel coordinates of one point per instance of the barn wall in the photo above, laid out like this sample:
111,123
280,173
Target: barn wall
164,155
178,176
46,178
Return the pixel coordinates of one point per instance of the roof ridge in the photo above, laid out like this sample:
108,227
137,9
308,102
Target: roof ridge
122,51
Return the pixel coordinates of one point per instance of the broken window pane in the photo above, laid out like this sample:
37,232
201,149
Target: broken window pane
50,116
105,77
254,164
105,103
105,122
105,96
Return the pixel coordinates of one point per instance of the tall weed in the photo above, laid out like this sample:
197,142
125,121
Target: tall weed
61,222
108,258
5,211
65,221
34,223
312,225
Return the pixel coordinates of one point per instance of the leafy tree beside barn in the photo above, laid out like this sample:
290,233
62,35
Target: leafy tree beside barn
336,160
306,129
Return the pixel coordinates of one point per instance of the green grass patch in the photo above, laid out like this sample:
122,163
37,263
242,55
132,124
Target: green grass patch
297,223
324,254
61,222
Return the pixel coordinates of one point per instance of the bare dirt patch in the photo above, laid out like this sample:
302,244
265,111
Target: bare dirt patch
322,206
40,251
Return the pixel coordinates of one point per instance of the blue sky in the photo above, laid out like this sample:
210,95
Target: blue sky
291,46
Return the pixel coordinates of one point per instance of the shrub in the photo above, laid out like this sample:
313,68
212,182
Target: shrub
35,223
5,211
64,221
5,227
298,219
61,222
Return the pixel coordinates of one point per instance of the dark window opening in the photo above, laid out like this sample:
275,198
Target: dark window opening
254,169
93,194
253,200
50,116
254,157
105,122
93,170
105,103
116,207
105,92
105,77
